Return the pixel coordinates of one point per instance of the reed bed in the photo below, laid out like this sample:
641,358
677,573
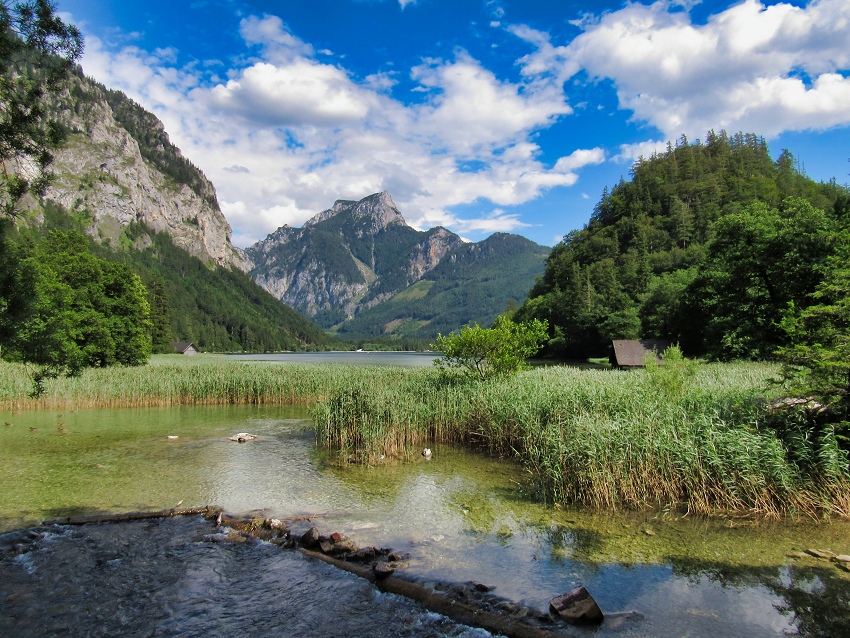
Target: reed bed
700,438
172,381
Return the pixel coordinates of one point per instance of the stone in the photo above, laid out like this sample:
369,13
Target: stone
483,588
336,537
797,555
821,553
327,547
275,523
577,607
364,555
382,570
242,437
345,546
310,538
842,558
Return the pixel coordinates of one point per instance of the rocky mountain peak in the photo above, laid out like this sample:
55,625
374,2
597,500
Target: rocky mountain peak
377,210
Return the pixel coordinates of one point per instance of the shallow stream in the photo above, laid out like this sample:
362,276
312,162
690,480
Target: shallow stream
461,516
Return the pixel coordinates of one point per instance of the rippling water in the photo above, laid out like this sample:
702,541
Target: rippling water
461,516
160,578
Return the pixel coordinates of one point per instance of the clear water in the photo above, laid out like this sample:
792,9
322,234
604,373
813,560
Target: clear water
461,516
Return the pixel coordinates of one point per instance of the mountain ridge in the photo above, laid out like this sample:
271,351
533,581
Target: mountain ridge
358,255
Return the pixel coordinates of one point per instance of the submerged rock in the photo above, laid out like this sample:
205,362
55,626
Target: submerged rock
576,607
821,553
242,437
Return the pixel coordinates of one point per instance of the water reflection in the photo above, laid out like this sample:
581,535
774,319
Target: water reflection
460,515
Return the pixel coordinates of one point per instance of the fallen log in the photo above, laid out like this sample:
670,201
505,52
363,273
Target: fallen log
440,603
206,511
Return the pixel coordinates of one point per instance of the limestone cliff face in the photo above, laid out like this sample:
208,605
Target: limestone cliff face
350,257
107,177
428,254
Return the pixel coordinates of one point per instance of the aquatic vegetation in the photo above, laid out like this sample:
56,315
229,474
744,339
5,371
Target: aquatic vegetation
706,441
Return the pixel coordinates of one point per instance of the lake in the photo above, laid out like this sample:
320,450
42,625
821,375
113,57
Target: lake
461,516
407,359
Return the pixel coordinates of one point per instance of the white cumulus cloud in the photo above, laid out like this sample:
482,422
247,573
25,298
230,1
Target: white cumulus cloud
751,67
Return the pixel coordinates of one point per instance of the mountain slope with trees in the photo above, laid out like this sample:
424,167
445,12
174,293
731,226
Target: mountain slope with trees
476,283
708,244
220,309
99,213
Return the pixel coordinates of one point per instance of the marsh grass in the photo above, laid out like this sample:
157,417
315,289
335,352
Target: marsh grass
703,439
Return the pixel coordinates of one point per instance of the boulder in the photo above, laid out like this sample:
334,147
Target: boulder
310,538
382,570
577,607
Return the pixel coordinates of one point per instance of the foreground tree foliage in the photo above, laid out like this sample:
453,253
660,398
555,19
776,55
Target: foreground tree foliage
759,261
818,356
72,310
36,52
61,308
484,353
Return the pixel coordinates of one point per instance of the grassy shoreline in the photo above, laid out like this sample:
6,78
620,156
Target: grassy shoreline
698,438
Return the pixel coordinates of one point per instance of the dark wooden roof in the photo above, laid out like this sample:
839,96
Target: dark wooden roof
632,353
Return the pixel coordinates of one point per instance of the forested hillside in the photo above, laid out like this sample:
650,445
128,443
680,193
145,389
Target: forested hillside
217,308
475,284
709,244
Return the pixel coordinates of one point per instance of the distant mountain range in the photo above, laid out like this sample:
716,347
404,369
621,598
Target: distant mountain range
360,270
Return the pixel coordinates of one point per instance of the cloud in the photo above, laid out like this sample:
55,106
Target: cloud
497,221
301,92
271,34
471,110
631,152
751,67
287,133
404,3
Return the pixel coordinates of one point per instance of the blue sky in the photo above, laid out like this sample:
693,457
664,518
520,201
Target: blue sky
477,115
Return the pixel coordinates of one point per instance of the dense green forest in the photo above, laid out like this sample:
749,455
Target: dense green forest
218,309
711,244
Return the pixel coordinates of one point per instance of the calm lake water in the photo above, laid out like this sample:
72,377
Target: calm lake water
407,359
461,516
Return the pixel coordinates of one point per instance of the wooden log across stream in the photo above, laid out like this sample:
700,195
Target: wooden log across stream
206,511
440,603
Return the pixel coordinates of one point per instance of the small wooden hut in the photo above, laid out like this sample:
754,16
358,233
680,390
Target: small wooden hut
632,353
184,347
